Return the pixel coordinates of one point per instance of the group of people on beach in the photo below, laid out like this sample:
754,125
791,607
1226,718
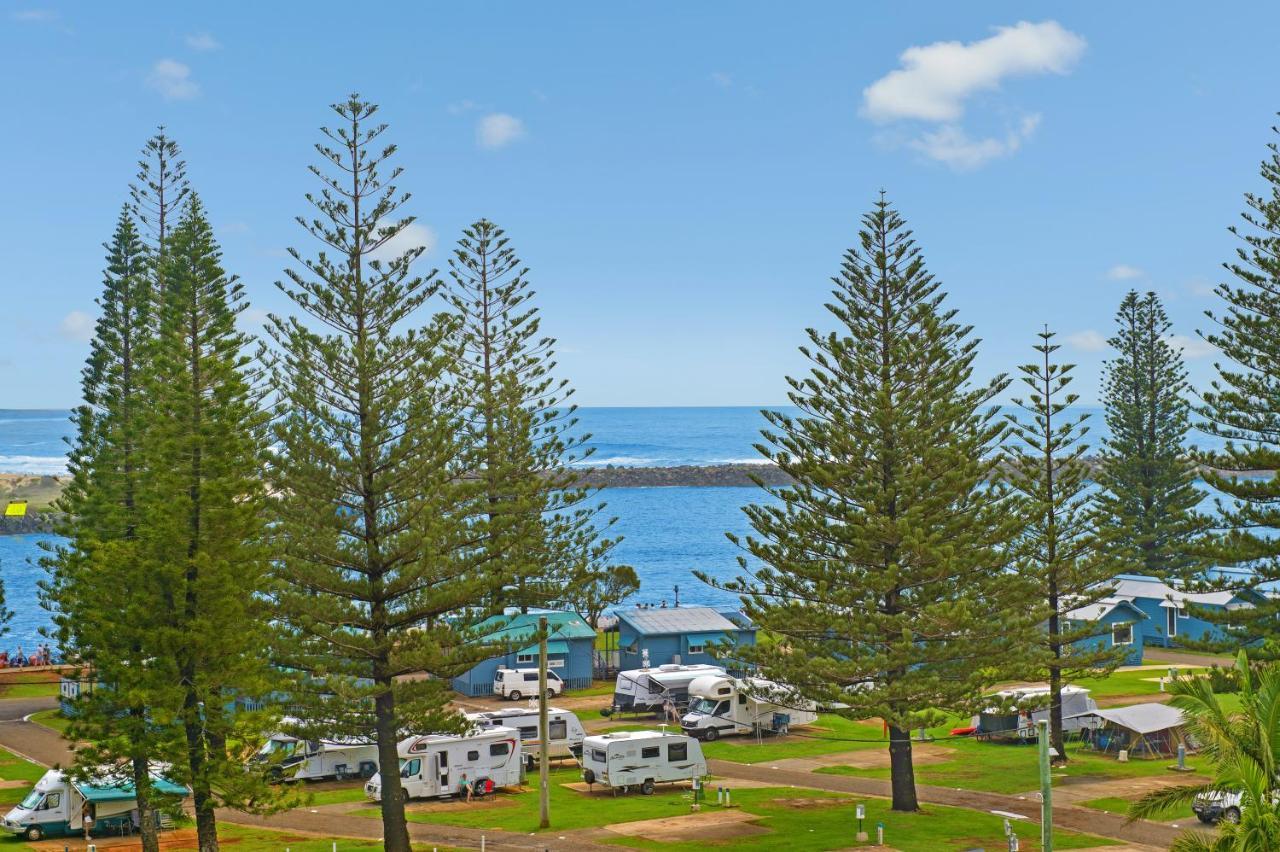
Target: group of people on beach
41,656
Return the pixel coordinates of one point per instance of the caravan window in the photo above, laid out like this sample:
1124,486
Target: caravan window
499,749
444,760
51,801
529,732
473,755
598,755
650,751
558,730
678,751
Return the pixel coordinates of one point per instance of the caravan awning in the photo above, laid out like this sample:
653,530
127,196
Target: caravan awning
1141,718
555,648
102,791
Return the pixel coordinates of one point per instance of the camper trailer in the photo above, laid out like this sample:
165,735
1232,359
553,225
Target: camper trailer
57,805
722,706
641,759
1015,712
648,690
439,765
564,731
296,759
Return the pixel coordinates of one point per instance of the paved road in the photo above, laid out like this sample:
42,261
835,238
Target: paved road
1085,820
27,739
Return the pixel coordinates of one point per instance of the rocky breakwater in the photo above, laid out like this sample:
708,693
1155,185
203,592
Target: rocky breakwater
706,476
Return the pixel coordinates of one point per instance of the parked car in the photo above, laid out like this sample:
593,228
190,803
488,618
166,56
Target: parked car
520,683
1217,807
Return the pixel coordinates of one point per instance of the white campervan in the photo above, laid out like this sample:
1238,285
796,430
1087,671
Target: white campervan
641,759
520,683
564,731
438,765
644,690
723,706
294,759
56,806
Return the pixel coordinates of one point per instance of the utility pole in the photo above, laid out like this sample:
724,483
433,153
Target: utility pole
544,759
1046,787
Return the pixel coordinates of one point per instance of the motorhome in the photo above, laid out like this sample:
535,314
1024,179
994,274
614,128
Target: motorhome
1013,713
564,731
649,690
294,759
58,804
722,706
523,683
641,759
439,765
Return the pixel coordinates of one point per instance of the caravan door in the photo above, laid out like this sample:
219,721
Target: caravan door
440,772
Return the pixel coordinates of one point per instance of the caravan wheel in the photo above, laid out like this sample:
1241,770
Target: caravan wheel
34,833
1231,815
647,787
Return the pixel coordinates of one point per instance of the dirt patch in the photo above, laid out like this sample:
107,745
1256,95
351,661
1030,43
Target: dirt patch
811,804
922,754
444,806
178,839
705,825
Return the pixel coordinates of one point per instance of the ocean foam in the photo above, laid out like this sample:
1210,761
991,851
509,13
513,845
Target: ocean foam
42,465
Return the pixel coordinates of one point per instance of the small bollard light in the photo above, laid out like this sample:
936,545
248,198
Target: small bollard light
726,796
879,834
1162,684
1013,843
1182,757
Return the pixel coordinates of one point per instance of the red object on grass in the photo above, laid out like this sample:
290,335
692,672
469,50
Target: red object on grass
963,732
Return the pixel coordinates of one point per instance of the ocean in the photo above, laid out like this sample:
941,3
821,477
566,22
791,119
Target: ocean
667,533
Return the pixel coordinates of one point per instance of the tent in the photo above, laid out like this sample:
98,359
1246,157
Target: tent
1143,730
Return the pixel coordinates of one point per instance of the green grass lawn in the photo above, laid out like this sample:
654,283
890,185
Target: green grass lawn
1009,768
796,818
244,839
1117,805
20,688
336,795
830,734
14,768
52,718
1137,683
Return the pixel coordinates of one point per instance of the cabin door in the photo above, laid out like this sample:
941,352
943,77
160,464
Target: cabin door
1171,617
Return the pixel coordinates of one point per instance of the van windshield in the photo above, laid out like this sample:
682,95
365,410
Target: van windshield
703,705
32,800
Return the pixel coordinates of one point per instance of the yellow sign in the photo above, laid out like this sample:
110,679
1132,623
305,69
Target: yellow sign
16,509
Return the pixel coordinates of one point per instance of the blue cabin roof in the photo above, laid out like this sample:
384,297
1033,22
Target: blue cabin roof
522,626
679,621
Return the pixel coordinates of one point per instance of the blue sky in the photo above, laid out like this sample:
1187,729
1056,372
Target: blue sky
681,178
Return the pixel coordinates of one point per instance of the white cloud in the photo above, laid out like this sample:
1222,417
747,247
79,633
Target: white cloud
951,145
172,79
34,16
254,317
721,79
935,80
1087,340
1192,347
411,236
77,326
203,42
1201,287
1124,272
497,130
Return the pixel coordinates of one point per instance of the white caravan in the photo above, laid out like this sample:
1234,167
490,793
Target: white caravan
57,805
564,731
523,683
645,690
1015,712
439,765
722,706
296,759
641,759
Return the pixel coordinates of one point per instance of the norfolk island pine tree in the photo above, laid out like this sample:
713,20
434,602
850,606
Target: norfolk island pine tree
540,525
881,571
1058,554
204,532
381,567
1240,407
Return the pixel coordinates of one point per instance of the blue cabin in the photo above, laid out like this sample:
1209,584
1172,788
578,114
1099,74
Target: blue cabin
1118,624
1173,615
656,636
571,649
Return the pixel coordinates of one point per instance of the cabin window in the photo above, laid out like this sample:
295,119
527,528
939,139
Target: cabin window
524,658
677,751
556,663
650,751
598,755
51,801
697,649
1122,634
473,756
528,733
499,749
558,730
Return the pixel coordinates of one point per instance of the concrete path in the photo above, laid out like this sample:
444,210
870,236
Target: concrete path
1084,820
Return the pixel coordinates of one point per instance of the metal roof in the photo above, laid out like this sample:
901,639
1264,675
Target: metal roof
1100,609
685,619
521,625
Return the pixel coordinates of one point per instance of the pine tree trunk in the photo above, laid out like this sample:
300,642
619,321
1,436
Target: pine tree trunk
146,813
395,831
1057,739
902,771
201,795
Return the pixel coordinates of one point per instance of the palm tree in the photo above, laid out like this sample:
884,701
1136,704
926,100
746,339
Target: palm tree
1243,745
